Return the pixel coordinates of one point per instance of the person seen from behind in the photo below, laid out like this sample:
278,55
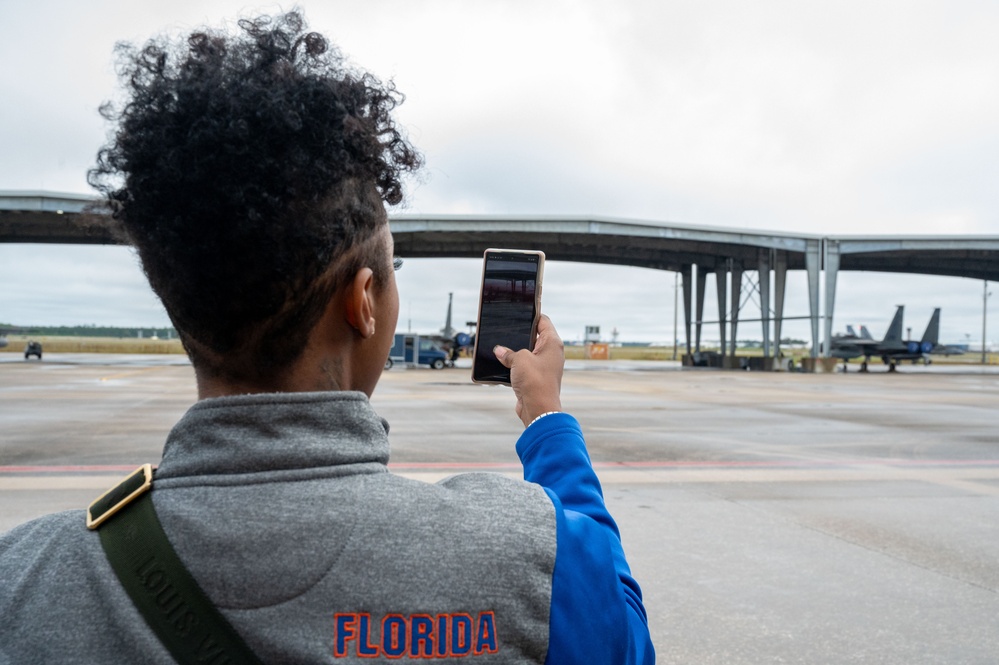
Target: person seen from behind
251,170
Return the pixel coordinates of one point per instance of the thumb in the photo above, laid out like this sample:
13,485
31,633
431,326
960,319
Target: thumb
504,355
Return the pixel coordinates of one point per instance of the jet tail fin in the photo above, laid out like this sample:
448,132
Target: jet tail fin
932,334
865,333
894,333
850,331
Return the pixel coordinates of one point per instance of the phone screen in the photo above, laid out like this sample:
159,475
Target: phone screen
508,310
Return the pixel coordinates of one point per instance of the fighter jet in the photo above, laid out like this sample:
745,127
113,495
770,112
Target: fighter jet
932,336
892,348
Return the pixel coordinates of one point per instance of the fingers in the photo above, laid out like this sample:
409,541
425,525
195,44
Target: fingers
504,355
546,327
536,376
548,337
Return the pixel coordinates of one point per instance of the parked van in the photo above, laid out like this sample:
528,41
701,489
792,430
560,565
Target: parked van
414,350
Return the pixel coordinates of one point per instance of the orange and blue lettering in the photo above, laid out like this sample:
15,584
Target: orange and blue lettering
442,641
422,641
461,634
394,635
485,638
365,649
415,635
345,632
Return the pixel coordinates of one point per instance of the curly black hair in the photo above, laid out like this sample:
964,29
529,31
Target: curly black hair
250,170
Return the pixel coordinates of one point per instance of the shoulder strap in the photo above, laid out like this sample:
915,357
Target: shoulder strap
164,592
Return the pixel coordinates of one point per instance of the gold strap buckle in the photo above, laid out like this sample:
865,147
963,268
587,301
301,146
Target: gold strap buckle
119,496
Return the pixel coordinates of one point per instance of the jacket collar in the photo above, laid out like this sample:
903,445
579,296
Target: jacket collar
275,432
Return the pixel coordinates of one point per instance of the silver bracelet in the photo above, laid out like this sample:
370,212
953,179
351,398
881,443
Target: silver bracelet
547,413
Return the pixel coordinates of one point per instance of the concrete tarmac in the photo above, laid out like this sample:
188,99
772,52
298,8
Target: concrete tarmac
770,518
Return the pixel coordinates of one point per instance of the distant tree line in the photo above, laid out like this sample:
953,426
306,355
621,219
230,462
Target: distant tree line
89,331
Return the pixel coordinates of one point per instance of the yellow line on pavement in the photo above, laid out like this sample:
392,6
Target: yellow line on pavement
121,375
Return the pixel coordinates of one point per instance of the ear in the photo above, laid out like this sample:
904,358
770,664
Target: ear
359,305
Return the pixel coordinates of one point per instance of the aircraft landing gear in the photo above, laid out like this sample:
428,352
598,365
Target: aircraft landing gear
863,366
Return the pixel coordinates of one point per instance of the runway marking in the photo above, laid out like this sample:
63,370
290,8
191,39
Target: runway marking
621,465
95,483
121,375
800,463
981,481
975,477
69,468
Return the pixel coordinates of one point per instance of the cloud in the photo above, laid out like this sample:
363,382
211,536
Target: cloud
825,118
71,285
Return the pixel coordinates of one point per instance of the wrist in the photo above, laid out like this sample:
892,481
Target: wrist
546,413
535,411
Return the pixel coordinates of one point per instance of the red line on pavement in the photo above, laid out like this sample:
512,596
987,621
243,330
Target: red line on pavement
512,466
69,468
803,464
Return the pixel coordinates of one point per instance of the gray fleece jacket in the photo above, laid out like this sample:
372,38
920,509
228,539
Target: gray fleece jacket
282,508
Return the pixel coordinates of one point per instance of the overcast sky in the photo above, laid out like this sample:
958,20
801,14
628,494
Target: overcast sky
825,118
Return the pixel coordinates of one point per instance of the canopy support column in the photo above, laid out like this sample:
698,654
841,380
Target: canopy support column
764,274
780,281
702,278
721,281
813,266
736,301
685,272
831,260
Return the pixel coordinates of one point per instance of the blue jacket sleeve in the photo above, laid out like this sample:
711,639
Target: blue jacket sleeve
597,615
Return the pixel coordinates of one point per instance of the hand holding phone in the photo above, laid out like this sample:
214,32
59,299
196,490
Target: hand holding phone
509,308
536,376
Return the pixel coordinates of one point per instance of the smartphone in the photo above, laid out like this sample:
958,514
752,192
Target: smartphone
509,307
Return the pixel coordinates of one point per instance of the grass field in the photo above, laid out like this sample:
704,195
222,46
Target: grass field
666,353
134,345
94,344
